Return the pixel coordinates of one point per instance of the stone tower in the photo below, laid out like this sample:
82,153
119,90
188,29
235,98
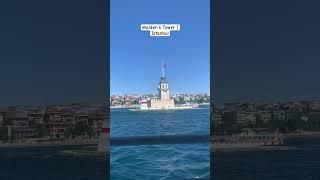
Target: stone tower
163,101
163,89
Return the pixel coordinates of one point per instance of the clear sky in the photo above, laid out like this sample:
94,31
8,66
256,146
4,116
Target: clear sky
136,57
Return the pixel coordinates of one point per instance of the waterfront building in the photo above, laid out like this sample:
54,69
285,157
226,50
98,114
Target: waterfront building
217,117
264,116
56,120
314,121
1,120
19,121
246,117
278,115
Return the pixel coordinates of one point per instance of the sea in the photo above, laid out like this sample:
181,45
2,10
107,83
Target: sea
161,161
298,160
47,163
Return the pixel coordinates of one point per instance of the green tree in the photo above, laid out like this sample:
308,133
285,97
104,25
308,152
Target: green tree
4,134
82,128
41,130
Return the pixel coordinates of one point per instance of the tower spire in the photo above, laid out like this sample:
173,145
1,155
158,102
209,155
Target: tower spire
162,69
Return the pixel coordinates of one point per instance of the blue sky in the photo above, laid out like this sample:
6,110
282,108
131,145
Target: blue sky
136,57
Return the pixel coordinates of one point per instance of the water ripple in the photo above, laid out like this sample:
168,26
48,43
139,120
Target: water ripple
178,161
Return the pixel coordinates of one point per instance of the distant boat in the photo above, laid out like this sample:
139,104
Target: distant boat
247,139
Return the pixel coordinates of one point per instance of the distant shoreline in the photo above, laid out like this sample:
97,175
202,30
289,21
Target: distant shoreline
137,106
123,107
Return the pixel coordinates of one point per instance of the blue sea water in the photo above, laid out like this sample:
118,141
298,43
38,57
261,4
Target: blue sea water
301,161
165,161
39,163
